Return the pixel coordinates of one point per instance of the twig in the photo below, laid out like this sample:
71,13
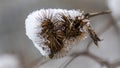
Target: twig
89,15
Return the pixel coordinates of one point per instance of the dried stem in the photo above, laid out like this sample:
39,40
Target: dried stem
89,15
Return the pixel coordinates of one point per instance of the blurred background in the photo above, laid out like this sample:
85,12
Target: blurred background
17,51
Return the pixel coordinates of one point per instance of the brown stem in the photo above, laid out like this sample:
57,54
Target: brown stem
89,15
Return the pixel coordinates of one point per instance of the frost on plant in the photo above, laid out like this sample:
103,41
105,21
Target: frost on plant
55,31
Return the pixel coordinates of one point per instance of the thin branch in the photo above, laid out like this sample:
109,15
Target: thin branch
89,15
67,63
74,56
94,57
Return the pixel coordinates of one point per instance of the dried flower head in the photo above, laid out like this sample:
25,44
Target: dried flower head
55,31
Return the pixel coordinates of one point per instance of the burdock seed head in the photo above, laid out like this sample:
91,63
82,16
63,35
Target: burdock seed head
55,31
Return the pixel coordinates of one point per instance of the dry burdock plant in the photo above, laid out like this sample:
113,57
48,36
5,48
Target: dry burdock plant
55,31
